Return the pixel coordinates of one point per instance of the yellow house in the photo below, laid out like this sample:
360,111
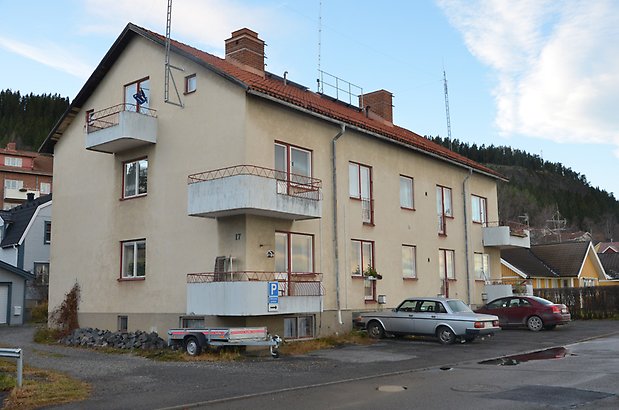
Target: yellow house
235,196
559,265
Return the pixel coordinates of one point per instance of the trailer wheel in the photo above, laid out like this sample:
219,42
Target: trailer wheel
192,346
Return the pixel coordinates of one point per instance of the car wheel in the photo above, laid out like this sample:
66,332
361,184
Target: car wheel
445,335
550,327
192,346
535,323
375,330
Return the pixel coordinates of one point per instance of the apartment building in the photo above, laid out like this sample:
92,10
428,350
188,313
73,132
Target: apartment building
23,173
248,199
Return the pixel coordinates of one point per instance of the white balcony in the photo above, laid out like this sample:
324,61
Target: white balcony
506,236
19,194
247,294
121,127
249,189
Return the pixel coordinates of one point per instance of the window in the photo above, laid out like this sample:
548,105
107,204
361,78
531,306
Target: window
478,207
133,259
41,273
45,188
409,261
294,252
12,162
135,178
443,208
47,232
137,96
446,262
123,323
13,184
191,84
293,168
362,256
301,327
406,192
482,266
360,187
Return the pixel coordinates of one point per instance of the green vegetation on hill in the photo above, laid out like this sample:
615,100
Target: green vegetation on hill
27,119
539,188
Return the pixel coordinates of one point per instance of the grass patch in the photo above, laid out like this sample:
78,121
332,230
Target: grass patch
48,354
46,335
41,388
329,342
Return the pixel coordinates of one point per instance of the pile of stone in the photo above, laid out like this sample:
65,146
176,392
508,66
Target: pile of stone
89,337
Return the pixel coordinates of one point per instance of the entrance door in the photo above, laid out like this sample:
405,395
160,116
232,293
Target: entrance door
4,304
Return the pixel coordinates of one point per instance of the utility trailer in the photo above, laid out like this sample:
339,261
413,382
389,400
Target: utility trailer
194,340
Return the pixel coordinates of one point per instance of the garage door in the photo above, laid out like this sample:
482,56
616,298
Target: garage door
4,303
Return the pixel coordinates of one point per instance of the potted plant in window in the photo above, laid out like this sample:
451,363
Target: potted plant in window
371,274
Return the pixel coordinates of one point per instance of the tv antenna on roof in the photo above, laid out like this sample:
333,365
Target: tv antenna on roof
447,108
168,66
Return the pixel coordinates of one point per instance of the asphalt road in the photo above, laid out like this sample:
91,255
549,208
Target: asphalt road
393,373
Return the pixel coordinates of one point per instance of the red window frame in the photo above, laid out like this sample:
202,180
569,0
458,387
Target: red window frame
443,216
124,173
289,254
412,208
369,202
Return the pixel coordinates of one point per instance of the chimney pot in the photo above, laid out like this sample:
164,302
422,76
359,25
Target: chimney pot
11,146
30,196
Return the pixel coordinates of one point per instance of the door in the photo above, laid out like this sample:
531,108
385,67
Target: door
426,317
4,304
499,308
402,319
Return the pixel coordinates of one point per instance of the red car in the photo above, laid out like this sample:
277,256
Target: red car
530,311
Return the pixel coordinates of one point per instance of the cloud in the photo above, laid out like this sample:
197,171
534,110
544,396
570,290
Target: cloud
556,65
50,55
197,22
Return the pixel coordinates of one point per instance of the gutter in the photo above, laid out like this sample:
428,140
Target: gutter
335,237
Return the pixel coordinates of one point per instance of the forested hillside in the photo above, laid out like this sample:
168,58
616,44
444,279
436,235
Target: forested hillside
27,119
539,188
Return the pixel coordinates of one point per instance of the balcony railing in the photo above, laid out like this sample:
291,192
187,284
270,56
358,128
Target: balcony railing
506,235
289,283
515,228
287,183
109,117
367,211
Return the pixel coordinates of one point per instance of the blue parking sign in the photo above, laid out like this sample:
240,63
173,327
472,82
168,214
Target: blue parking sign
273,293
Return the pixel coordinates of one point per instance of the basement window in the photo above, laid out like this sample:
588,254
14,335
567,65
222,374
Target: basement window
123,323
299,327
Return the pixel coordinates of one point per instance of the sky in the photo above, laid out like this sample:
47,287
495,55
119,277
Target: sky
540,76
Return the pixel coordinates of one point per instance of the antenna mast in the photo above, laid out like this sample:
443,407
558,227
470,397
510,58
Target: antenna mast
319,39
447,108
168,67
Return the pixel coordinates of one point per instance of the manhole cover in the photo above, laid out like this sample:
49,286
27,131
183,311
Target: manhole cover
391,388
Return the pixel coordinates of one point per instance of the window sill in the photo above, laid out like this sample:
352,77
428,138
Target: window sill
480,280
404,208
442,235
370,302
478,222
189,92
411,279
369,224
140,279
126,198
357,276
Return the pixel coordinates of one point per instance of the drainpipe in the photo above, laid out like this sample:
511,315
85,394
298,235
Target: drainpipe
466,237
335,238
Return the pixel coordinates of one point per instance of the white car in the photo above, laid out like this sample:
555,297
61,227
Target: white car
447,319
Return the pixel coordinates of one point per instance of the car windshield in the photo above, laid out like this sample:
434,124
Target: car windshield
458,306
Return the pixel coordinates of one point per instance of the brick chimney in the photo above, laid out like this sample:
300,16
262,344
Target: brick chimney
378,103
246,50
11,146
